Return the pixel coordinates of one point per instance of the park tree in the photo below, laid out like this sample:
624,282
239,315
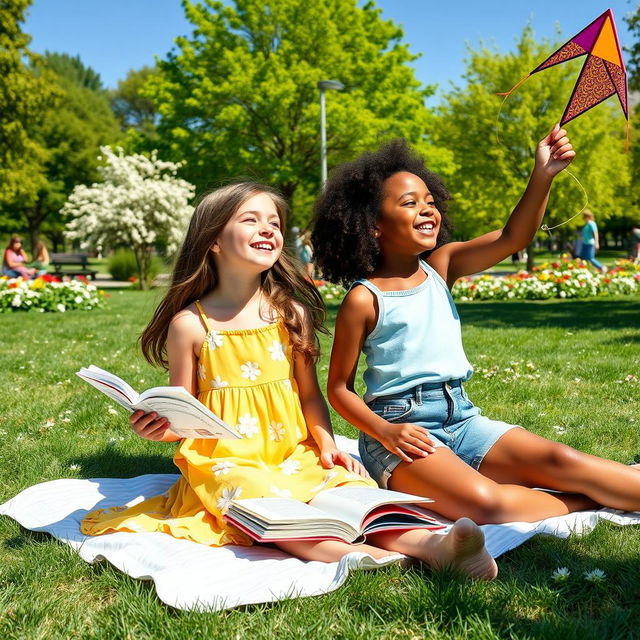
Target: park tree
25,98
71,134
494,147
131,107
239,96
139,203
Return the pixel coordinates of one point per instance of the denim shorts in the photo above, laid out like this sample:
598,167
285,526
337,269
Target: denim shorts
442,408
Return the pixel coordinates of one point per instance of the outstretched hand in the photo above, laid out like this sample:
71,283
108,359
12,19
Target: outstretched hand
555,152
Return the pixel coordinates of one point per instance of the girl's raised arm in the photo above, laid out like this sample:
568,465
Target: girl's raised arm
458,259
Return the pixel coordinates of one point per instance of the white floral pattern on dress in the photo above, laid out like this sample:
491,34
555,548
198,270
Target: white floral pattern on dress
290,467
219,383
247,425
299,434
228,494
276,350
222,468
276,431
250,370
214,339
287,383
202,371
281,493
330,475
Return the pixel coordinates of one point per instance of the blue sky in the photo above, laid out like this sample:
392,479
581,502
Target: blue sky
113,37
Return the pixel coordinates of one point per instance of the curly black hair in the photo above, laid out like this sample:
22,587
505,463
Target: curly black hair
347,209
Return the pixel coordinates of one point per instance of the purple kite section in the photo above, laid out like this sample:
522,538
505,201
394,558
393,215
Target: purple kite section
587,37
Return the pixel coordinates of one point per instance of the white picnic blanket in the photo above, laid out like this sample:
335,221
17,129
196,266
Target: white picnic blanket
188,575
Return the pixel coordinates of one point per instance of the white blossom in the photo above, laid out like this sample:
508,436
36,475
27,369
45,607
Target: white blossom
290,467
276,431
561,574
597,575
228,494
277,350
140,201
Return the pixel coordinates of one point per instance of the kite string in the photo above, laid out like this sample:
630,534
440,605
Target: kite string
543,227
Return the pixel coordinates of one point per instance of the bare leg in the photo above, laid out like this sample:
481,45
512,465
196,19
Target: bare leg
462,549
525,458
330,550
459,490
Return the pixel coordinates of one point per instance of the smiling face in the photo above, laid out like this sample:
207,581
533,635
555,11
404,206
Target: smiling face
409,221
252,239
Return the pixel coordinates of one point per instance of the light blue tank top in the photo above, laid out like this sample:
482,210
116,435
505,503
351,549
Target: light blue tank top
417,338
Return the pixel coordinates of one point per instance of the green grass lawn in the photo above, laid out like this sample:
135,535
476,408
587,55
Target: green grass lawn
53,425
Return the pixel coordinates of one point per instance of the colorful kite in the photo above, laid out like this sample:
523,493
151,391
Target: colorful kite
603,73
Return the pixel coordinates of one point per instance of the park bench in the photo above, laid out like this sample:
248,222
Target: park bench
79,262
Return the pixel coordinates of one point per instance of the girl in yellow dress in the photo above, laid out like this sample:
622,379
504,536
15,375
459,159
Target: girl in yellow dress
237,328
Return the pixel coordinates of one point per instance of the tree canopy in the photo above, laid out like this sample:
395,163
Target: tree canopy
239,95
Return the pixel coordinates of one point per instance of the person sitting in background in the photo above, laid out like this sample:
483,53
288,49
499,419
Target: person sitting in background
15,257
41,261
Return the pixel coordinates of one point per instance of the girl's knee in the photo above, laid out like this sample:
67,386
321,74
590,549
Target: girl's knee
562,457
485,504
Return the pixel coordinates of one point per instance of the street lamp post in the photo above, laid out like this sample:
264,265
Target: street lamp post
324,85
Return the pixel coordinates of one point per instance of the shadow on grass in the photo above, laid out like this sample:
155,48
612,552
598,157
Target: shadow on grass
112,462
611,313
593,313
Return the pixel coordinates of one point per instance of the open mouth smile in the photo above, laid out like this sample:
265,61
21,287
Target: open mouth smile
263,246
427,228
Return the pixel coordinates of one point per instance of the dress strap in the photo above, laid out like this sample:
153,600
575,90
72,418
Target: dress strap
205,320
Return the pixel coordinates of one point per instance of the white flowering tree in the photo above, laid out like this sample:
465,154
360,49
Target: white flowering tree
140,202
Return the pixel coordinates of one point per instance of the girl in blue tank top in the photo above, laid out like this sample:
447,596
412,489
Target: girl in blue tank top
381,224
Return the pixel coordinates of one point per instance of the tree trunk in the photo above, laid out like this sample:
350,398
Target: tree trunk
143,259
531,256
34,216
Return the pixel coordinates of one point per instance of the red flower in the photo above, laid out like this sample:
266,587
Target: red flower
133,279
83,279
555,265
13,285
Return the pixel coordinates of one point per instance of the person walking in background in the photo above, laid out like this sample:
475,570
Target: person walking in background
633,243
590,241
15,259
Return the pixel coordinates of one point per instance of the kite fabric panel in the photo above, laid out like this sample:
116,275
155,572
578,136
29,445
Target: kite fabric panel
603,73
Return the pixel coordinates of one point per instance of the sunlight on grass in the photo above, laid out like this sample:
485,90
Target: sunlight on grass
566,370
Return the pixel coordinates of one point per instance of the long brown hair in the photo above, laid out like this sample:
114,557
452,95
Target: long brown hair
195,273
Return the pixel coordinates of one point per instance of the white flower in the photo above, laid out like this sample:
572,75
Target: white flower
290,467
112,411
277,350
276,431
222,468
228,494
218,383
247,425
214,339
561,574
61,308
287,383
559,430
250,370
281,493
74,467
597,575
202,371
49,423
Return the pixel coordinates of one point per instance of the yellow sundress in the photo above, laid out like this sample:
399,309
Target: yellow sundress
245,377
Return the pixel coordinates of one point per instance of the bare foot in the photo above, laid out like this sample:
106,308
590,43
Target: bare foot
462,549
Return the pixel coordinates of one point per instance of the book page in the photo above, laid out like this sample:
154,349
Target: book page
187,420
280,510
352,504
109,384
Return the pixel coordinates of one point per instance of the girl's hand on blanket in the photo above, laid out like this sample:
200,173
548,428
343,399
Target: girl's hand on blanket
407,438
148,425
331,457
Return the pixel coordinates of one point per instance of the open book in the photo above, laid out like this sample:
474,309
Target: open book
344,513
189,418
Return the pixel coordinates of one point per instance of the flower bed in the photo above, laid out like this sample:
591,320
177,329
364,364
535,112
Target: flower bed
47,293
562,279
